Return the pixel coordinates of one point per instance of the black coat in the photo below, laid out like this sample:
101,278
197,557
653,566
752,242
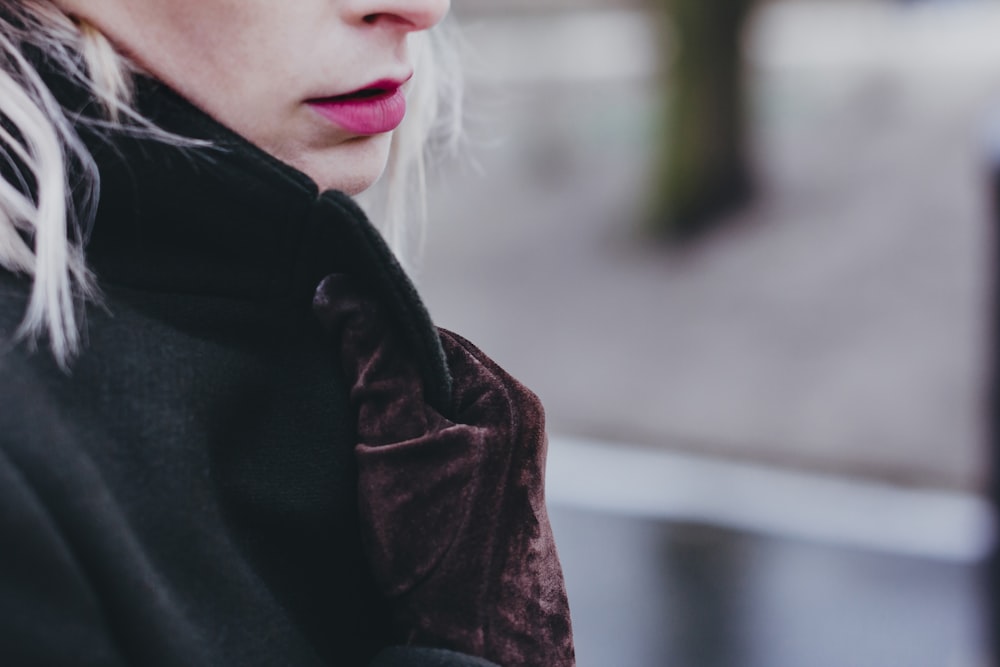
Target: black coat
187,493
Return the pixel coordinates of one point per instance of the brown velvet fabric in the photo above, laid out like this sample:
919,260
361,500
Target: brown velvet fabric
453,506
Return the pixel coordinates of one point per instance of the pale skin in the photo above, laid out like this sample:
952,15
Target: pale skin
254,64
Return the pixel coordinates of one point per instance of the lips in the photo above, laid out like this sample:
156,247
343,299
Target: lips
377,108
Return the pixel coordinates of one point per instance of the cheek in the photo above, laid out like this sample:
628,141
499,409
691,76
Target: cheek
226,57
248,64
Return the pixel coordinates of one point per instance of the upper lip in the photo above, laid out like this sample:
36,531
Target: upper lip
387,84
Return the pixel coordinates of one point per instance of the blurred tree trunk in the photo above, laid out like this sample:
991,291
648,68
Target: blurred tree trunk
701,168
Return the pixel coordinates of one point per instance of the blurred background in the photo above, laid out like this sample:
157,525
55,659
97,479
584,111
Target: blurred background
744,253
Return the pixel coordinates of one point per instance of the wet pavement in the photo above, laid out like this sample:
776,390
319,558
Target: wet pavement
653,594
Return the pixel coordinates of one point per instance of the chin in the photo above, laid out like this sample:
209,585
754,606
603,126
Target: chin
352,187
351,167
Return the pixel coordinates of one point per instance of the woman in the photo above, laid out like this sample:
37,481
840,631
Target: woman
245,443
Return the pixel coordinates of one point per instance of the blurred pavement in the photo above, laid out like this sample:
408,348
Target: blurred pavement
796,376
840,324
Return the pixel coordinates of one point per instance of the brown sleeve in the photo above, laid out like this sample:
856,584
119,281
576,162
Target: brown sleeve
453,508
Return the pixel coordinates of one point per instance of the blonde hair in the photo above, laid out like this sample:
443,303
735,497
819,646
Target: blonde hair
40,227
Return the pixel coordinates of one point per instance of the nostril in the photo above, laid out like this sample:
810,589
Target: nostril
404,14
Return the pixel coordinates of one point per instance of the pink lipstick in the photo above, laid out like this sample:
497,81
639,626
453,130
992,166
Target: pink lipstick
378,107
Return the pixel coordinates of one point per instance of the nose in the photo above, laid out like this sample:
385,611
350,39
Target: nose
408,15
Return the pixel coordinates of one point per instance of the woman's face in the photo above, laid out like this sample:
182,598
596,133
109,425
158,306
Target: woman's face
277,71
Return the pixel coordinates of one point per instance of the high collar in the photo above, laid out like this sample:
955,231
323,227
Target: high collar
232,221
227,219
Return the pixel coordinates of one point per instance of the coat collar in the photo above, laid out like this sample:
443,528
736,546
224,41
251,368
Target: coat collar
223,220
233,221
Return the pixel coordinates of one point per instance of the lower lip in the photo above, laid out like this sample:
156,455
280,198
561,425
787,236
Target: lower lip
369,115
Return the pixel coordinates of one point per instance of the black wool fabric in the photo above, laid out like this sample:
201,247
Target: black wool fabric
187,493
